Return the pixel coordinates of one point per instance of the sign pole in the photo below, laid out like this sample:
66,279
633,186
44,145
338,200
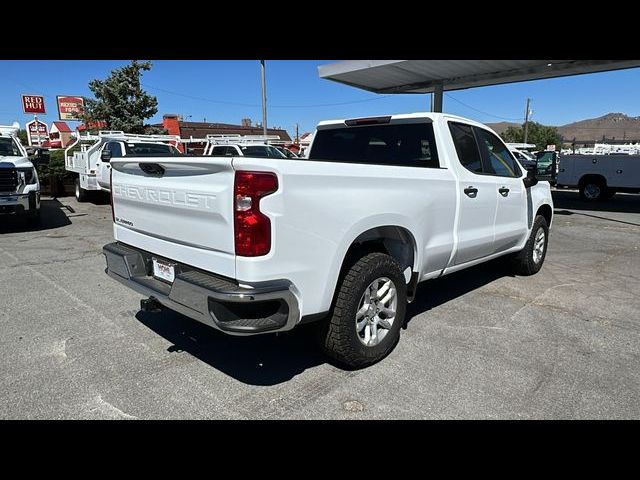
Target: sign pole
35,117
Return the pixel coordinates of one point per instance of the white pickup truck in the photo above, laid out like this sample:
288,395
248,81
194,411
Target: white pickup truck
19,184
343,237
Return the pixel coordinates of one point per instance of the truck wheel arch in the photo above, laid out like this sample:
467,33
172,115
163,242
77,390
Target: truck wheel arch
393,240
593,177
546,211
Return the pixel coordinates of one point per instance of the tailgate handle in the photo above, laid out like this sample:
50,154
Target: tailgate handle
152,168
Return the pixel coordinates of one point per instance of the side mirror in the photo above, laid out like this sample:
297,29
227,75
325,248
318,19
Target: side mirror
530,180
105,155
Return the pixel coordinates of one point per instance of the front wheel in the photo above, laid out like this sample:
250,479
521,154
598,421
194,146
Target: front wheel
369,311
530,259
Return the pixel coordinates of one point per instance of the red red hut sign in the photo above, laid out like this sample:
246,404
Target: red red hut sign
33,104
70,108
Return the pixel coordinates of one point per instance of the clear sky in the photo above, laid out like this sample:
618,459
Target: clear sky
228,90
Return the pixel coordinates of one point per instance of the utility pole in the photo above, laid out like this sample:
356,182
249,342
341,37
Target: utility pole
526,121
297,136
264,99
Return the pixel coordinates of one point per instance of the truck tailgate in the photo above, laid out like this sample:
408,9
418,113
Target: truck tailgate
181,209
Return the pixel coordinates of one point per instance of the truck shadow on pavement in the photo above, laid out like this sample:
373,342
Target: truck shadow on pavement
270,359
256,360
433,293
52,215
569,203
620,202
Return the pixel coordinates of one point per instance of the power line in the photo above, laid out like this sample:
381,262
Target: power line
379,97
480,111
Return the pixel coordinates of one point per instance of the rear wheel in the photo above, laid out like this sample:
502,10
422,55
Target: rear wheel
369,311
81,194
592,190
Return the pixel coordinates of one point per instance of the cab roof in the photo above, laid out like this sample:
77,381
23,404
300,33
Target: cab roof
383,119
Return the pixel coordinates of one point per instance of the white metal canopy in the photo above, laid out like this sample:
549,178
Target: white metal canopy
436,76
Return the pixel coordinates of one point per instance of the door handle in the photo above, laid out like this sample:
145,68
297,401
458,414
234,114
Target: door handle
471,191
504,191
618,171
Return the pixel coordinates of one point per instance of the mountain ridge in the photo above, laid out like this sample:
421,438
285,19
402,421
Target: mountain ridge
610,126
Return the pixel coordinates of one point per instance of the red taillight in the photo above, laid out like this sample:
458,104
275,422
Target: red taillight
113,213
251,227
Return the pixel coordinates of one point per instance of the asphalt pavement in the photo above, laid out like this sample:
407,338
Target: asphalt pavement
481,343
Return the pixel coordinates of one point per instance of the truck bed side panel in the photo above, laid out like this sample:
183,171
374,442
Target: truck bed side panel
321,207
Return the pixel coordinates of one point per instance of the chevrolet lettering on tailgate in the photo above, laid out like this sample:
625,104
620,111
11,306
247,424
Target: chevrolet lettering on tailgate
200,201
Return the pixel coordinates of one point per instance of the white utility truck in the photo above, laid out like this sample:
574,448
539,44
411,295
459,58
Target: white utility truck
253,245
242,146
19,184
90,156
599,176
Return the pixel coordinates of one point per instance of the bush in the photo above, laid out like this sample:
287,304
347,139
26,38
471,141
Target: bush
53,176
55,168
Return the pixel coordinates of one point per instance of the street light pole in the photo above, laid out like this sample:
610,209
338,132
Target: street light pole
264,99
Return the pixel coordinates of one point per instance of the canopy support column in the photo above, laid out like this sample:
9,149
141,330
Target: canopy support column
436,98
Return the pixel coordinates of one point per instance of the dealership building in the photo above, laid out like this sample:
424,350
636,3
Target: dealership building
174,125
60,135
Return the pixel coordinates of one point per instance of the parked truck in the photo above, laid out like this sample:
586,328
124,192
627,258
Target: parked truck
599,177
243,146
89,156
342,237
19,183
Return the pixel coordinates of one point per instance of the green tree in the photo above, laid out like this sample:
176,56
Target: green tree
538,134
22,135
513,135
120,101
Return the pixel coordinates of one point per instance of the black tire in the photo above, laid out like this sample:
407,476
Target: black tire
523,262
338,336
81,194
592,190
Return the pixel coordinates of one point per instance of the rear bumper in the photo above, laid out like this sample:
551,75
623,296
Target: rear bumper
213,300
19,203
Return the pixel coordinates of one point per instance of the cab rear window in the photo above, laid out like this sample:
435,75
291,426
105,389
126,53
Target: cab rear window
408,144
150,149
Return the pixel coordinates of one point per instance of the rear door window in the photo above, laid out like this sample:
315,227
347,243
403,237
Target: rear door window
405,144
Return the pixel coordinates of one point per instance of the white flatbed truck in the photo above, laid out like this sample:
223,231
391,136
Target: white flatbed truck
90,156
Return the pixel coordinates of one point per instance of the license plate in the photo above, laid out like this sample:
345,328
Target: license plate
163,270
